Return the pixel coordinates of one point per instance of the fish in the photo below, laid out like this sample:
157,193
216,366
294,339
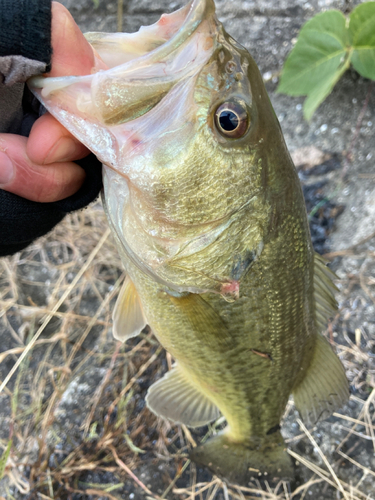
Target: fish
209,218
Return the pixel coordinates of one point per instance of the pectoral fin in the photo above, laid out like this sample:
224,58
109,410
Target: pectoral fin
175,398
128,317
324,388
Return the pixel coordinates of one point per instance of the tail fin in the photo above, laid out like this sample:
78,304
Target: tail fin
241,462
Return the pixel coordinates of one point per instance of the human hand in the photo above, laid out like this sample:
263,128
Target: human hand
40,167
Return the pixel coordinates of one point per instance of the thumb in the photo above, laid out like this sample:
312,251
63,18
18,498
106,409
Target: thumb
72,54
49,141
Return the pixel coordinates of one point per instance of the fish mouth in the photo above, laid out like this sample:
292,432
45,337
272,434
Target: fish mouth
133,71
157,41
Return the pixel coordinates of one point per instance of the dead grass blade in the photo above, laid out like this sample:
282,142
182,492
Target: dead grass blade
124,467
324,458
54,309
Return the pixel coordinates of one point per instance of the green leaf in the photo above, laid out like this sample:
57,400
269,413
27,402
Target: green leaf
317,96
319,58
362,33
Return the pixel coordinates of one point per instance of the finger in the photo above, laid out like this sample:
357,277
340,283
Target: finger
50,142
72,54
21,176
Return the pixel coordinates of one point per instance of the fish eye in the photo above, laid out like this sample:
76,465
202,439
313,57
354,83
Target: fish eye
232,120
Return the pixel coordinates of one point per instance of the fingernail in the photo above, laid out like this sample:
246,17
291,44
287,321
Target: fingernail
63,150
6,169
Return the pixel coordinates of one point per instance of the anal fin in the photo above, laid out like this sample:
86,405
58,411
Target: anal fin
128,317
324,387
175,398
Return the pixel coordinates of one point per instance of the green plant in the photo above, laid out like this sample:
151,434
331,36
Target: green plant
326,46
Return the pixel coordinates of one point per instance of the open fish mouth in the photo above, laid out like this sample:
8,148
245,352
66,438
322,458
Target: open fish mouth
133,71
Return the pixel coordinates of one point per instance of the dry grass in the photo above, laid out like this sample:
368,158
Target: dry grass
74,424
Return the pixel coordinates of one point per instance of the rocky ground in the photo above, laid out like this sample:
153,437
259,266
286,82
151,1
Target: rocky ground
74,410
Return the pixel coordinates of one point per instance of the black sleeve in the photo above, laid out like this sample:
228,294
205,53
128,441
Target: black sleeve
25,50
22,221
26,30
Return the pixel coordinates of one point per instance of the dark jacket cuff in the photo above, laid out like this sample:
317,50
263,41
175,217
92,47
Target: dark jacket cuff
22,221
26,29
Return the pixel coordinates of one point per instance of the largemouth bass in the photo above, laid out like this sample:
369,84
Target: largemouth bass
208,213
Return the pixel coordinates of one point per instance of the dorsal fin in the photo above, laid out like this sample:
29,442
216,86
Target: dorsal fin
324,290
128,317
